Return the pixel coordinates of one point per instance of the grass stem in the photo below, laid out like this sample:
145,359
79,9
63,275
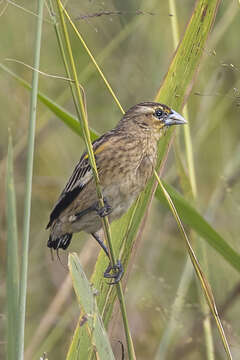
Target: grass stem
28,191
12,258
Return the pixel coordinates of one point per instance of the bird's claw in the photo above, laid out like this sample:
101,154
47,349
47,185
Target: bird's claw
105,210
117,272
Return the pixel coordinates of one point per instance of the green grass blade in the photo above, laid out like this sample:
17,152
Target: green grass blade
191,217
27,203
65,116
90,317
188,55
12,258
201,277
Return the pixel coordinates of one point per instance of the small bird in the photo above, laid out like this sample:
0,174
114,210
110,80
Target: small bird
125,158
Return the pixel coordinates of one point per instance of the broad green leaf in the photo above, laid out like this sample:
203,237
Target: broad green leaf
90,318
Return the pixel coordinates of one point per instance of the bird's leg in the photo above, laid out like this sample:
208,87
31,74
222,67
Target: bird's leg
104,210
101,211
101,243
80,214
117,268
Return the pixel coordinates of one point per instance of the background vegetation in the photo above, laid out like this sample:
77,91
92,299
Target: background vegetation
134,49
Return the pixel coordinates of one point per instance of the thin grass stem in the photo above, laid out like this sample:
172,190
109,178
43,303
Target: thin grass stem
93,59
28,191
12,258
64,57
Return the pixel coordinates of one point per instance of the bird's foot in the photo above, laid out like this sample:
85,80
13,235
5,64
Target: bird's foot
104,210
117,274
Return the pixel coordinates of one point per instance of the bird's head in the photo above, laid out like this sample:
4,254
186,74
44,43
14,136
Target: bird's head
154,117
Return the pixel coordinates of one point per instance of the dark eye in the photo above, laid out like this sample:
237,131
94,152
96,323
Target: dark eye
158,113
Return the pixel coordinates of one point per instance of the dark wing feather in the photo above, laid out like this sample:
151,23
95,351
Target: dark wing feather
73,187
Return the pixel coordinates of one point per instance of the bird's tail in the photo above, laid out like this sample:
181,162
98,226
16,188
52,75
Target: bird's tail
61,242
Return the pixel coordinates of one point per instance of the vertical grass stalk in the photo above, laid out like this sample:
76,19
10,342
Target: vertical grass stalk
28,188
64,57
12,258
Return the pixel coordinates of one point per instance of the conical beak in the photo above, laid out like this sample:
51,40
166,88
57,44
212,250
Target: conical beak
174,119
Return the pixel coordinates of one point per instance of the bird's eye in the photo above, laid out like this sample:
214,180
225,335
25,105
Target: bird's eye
158,113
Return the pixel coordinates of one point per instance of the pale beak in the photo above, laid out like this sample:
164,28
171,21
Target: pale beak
174,119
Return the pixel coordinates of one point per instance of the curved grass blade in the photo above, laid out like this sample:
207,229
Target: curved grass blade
203,280
90,318
70,120
191,217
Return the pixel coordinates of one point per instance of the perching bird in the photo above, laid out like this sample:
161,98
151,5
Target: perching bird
125,158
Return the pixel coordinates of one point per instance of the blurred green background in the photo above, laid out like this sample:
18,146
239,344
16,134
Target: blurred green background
134,50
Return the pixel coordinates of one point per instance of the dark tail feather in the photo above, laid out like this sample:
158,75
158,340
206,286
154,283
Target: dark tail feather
62,242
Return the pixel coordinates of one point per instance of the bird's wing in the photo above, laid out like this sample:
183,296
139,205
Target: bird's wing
80,177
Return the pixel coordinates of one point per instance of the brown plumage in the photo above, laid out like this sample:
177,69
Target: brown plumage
125,158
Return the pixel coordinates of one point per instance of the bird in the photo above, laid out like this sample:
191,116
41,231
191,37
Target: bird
125,157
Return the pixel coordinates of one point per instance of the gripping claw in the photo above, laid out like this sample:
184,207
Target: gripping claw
117,272
105,210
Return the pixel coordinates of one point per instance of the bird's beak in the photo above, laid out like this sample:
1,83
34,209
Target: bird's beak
174,119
